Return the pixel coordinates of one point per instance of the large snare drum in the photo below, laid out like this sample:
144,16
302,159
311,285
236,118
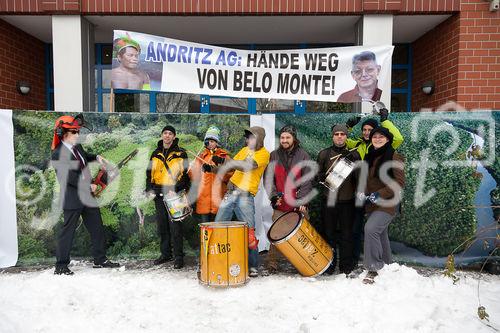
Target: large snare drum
177,205
338,174
301,244
223,254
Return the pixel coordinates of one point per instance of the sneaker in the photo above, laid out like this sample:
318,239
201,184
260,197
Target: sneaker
162,260
107,264
254,272
354,273
370,277
63,271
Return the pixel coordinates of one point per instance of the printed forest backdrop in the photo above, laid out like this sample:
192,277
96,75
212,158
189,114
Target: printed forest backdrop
459,206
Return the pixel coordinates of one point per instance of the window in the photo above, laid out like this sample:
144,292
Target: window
177,103
49,77
401,78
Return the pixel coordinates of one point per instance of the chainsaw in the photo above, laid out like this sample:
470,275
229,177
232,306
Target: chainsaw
107,173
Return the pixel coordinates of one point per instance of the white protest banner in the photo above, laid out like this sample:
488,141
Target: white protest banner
8,224
342,74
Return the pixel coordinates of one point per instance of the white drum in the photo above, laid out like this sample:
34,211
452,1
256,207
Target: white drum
338,174
178,207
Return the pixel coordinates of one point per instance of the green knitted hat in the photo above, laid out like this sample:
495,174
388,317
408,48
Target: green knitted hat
213,132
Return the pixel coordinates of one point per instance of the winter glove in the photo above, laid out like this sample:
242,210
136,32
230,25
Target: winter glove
184,183
373,197
274,200
370,198
207,167
361,196
218,160
351,122
384,114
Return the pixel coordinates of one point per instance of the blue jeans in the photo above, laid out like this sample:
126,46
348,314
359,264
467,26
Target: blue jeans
242,205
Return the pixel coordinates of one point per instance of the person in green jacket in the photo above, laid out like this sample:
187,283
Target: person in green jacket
363,143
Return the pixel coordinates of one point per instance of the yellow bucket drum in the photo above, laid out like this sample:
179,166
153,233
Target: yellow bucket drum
223,254
301,244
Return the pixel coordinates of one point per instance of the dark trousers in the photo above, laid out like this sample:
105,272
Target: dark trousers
170,232
338,230
92,220
359,223
205,218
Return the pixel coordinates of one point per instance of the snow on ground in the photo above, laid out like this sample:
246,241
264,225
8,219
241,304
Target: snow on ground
163,300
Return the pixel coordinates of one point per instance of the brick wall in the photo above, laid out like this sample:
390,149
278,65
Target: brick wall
462,56
226,7
435,57
22,57
479,56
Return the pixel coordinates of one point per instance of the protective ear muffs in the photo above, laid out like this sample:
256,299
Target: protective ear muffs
59,131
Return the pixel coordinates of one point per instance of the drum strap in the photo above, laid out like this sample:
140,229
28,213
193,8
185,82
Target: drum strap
166,166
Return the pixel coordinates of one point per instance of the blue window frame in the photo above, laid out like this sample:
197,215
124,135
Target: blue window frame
49,77
401,78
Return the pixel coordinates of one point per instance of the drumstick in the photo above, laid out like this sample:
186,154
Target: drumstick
195,155
336,156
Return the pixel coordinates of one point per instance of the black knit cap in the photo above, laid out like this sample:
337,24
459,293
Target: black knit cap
289,129
384,131
370,122
168,128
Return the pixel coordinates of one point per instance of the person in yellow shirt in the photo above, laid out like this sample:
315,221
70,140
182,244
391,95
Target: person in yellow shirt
249,165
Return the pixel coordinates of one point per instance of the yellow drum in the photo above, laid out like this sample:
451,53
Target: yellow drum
301,244
223,254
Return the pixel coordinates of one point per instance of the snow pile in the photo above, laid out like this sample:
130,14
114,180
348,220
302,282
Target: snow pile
161,300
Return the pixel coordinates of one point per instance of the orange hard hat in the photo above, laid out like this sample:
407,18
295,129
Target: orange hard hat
66,122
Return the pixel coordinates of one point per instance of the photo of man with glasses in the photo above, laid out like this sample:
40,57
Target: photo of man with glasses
365,71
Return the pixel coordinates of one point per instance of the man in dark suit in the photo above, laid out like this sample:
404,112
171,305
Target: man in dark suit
70,161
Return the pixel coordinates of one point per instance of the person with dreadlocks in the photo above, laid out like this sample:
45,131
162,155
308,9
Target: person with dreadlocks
70,162
382,197
211,187
283,183
128,75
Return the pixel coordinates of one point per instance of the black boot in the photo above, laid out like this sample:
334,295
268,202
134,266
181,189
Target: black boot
63,271
330,270
162,259
106,264
179,263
